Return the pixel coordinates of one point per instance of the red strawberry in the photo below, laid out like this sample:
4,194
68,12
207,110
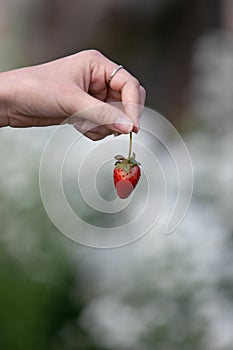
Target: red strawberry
126,175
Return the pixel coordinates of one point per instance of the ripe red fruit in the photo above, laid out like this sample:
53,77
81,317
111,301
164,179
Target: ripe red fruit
126,175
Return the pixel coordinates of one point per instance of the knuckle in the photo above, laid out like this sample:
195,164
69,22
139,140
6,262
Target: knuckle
143,91
135,82
94,53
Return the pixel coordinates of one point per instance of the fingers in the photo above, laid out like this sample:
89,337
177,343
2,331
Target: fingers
132,94
91,130
134,110
94,136
123,86
142,96
101,113
142,100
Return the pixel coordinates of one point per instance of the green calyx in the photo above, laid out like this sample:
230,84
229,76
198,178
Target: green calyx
126,163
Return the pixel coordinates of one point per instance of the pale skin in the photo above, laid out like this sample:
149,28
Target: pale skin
72,89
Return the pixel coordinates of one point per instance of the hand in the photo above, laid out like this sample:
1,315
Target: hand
50,93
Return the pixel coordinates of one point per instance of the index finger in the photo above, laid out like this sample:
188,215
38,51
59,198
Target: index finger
132,95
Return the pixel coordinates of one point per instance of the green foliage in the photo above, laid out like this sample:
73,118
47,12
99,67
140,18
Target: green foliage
37,308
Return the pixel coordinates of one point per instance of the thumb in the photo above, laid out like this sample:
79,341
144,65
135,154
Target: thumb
101,113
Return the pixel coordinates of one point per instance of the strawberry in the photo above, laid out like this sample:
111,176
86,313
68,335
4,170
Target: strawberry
126,174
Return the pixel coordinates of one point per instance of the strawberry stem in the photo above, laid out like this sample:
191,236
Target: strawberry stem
130,144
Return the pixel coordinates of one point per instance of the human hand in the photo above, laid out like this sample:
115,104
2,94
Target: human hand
50,93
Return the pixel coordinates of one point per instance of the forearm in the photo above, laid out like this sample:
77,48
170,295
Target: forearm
5,98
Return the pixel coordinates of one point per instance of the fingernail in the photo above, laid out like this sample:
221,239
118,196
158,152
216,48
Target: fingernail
123,124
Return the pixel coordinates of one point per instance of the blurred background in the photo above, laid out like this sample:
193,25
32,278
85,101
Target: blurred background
166,292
